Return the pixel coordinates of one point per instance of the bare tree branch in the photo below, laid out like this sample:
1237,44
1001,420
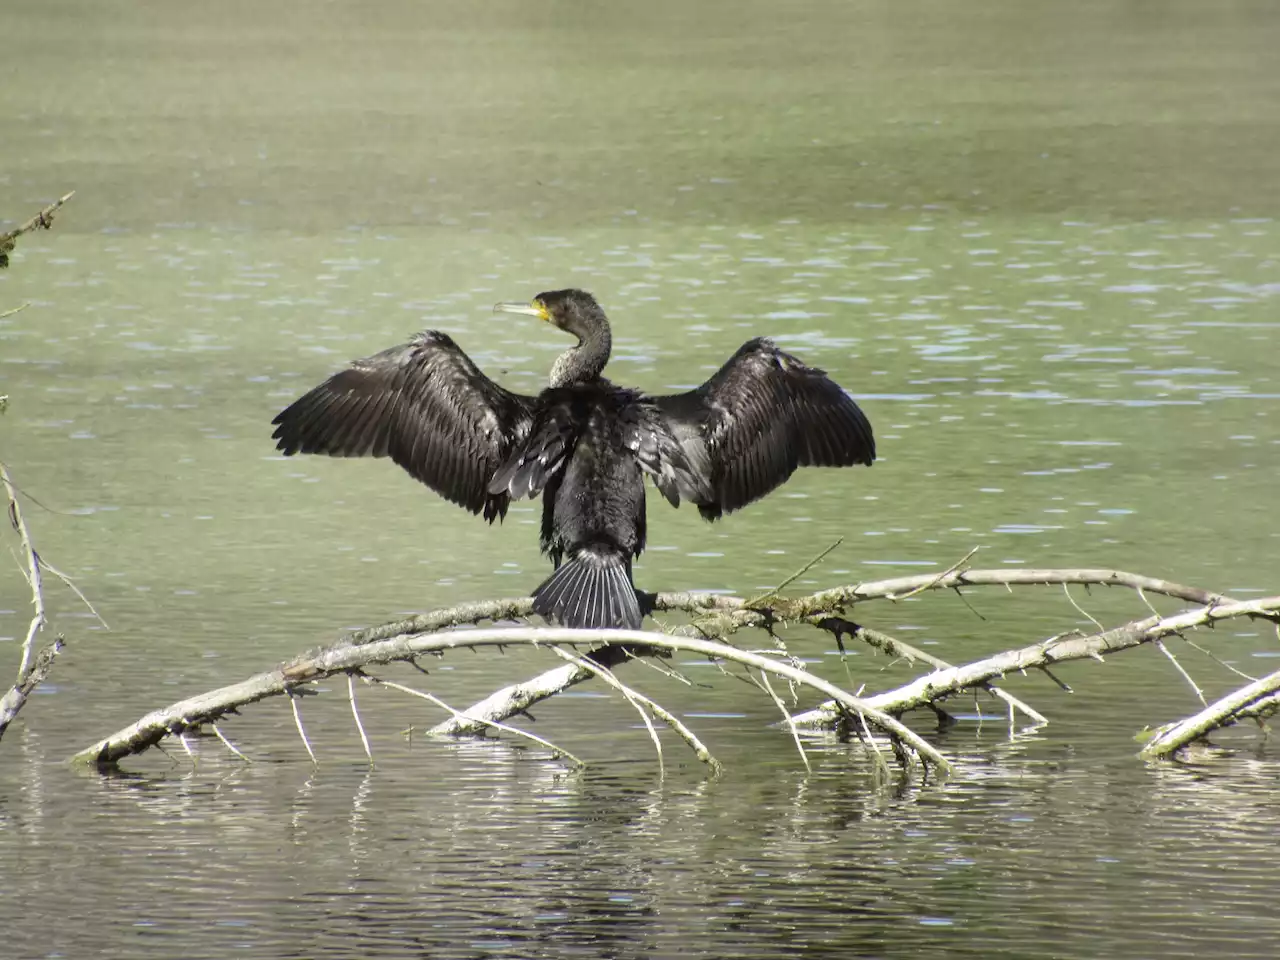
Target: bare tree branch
943,683
722,616
32,561
1257,699
42,220
342,658
16,698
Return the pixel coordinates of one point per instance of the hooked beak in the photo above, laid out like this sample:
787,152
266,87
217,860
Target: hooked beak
534,309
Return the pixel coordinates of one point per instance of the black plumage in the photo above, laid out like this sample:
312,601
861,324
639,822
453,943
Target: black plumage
583,444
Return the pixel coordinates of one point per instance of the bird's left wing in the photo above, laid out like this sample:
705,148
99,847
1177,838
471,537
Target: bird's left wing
424,404
759,417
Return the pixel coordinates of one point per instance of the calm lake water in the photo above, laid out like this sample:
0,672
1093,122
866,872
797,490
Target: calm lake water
1036,240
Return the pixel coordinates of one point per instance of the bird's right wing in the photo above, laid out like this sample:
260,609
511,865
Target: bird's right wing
424,404
759,417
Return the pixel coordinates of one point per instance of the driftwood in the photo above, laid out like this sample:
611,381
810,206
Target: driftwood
715,619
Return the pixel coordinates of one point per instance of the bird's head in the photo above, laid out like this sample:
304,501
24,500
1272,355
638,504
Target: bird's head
573,311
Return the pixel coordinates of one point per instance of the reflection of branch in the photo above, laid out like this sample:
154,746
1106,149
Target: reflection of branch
42,220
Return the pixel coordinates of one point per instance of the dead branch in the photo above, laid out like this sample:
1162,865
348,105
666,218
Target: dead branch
715,617
1257,699
722,616
944,683
644,703
896,648
32,561
30,675
345,657
14,700
33,669
42,220
839,598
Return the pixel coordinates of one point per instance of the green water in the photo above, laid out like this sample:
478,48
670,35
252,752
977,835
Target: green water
1037,242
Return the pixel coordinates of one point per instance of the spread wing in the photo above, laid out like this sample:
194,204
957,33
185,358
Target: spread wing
760,416
427,407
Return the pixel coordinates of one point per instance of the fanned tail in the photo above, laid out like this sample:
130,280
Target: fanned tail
591,589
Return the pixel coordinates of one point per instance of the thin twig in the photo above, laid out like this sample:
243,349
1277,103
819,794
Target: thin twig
795,576
604,673
515,731
1085,613
228,744
74,589
12,311
1185,676
954,568
355,712
1218,660
870,741
1142,595
662,668
765,685
297,719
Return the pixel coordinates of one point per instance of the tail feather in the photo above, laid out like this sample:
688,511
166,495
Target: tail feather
591,589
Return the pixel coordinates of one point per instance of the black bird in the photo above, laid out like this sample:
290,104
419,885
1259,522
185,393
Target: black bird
583,443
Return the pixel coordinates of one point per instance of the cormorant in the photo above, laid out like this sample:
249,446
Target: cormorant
583,443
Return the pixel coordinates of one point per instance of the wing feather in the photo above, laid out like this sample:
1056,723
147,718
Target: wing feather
424,404
758,418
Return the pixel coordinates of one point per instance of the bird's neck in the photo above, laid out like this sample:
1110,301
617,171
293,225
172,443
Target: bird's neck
585,361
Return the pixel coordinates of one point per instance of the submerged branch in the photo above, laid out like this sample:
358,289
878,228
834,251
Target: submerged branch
1258,699
944,683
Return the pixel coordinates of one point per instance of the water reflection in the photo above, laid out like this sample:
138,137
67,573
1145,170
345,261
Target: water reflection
517,858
